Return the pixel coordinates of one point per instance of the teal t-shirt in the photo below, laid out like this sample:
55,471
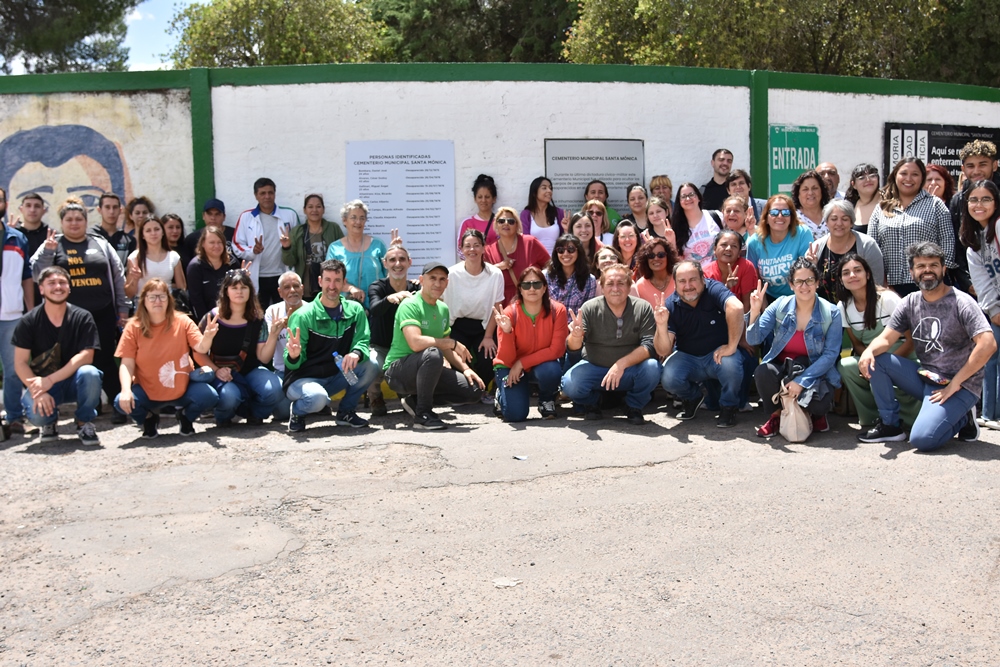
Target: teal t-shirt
414,311
774,260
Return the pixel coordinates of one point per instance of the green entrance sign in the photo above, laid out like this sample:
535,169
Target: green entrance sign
793,150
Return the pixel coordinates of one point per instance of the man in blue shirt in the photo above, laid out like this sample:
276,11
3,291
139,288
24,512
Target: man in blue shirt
704,333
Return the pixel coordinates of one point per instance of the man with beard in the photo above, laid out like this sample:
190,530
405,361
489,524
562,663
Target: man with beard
715,191
952,340
703,336
620,336
53,351
384,297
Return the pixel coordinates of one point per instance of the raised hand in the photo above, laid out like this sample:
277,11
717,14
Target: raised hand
576,324
733,280
660,312
258,246
278,325
811,253
293,344
211,325
283,237
564,223
751,221
394,238
757,298
245,265
134,272
502,320
50,240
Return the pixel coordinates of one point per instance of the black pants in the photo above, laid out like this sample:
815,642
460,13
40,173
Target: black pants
424,374
106,320
470,332
267,290
769,376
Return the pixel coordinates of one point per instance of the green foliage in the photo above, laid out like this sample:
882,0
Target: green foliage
965,35
64,35
246,33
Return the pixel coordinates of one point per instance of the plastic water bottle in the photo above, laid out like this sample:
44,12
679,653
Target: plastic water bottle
350,376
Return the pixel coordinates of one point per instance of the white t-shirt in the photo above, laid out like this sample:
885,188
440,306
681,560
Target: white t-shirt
699,246
277,311
164,270
851,317
473,296
547,236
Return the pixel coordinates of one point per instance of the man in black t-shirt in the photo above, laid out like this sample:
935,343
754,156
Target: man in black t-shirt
715,192
53,350
384,297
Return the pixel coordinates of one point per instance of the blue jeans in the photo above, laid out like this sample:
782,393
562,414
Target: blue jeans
256,394
82,388
582,383
199,397
683,375
991,380
12,386
514,400
310,395
937,423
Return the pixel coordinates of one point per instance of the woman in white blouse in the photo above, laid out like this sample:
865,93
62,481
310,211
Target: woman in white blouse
153,259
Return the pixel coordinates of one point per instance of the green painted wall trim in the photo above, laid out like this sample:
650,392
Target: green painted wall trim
202,140
350,73
863,86
759,134
86,82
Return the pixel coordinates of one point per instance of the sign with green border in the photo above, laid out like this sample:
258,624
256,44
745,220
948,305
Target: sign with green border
793,149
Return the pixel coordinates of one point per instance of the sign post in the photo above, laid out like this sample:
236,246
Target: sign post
793,150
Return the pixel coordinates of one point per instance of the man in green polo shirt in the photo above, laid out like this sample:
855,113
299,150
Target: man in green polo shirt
414,366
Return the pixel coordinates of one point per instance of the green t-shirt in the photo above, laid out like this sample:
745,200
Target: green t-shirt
414,311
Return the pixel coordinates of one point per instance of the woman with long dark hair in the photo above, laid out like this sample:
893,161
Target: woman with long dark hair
541,218
304,248
864,193
907,214
626,242
842,239
153,259
582,227
694,228
810,198
155,365
981,209
173,228
484,192
568,274
532,332
865,309
245,387
637,199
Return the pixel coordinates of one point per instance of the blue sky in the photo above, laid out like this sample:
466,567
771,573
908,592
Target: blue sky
147,33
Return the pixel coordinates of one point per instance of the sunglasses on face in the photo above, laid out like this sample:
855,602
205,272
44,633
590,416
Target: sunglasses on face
658,255
532,284
506,221
566,250
780,212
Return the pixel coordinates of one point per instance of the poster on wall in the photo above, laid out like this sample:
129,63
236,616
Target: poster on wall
572,163
934,144
794,149
409,186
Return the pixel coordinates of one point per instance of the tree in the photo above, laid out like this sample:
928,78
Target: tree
246,33
64,35
965,35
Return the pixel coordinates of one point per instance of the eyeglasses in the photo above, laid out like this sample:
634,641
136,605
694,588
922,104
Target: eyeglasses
980,200
566,250
689,195
806,281
595,214
506,221
156,297
620,322
780,212
532,284
867,177
658,255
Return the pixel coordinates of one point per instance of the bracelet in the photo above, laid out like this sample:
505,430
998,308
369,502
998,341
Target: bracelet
454,345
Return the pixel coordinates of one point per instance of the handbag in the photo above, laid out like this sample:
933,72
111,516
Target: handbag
795,425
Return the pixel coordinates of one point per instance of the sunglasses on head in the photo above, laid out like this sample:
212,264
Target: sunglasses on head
237,273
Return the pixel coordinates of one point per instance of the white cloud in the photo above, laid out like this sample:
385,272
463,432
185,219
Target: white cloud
136,15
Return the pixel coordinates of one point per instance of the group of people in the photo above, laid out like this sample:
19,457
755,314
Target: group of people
887,290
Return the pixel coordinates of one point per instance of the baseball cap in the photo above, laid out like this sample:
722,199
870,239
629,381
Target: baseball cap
430,266
216,204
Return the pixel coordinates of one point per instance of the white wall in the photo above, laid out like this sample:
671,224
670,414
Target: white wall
851,126
296,134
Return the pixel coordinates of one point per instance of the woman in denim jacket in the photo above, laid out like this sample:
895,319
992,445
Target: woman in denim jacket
807,336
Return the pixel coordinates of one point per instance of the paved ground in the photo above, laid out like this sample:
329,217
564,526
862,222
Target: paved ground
607,545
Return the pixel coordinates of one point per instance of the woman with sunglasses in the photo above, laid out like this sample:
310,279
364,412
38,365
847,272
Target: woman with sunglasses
978,234
475,288
807,339
245,387
513,250
598,213
532,332
655,266
863,192
694,228
542,219
155,365
865,309
779,241
568,275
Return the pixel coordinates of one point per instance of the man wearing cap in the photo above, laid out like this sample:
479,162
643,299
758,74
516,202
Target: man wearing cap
213,214
414,366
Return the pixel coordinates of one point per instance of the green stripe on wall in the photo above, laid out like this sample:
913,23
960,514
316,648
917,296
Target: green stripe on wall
202,139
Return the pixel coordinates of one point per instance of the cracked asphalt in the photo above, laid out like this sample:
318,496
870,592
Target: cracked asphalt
672,543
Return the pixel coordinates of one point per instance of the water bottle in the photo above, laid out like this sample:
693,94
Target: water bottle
350,376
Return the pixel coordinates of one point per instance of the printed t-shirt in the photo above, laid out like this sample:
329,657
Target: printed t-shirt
162,363
88,273
52,347
774,260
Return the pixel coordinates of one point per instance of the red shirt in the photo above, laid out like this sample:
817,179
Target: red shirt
796,347
745,271
529,252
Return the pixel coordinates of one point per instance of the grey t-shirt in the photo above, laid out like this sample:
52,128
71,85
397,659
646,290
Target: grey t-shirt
602,344
942,332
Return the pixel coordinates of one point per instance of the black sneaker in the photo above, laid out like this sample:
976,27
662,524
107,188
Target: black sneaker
884,433
689,409
727,417
547,409
350,419
634,416
149,426
254,421
187,428
592,413
117,417
87,433
409,404
969,432
296,423
428,421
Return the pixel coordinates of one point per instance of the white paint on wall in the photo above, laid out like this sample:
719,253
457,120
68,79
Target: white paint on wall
296,135
851,126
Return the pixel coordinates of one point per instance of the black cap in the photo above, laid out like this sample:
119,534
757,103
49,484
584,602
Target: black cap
430,266
216,204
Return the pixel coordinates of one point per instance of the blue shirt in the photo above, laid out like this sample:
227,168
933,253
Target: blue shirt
700,329
774,260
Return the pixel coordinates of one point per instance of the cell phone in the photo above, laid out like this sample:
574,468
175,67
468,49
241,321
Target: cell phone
933,378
